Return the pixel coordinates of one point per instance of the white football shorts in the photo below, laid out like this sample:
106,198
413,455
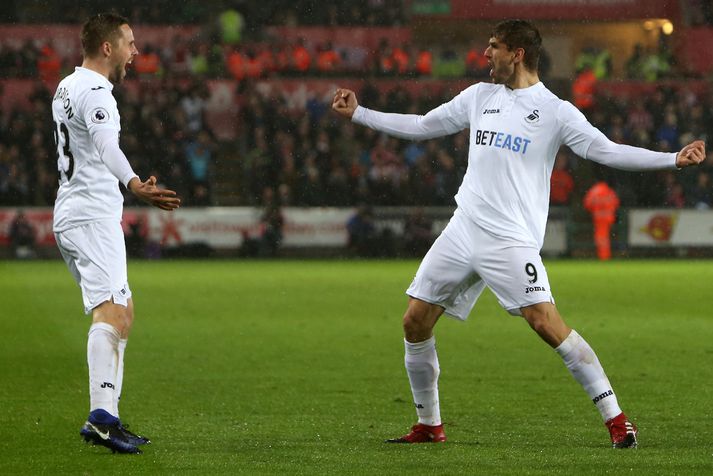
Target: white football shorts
465,259
96,256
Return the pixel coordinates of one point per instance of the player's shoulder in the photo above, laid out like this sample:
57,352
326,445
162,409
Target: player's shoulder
478,90
487,87
546,100
544,96
89,83
567,112
483,88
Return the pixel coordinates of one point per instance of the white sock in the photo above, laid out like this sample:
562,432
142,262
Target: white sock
102,359
584,366
120,348
423,370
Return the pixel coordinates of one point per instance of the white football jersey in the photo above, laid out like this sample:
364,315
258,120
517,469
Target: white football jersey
88,191
514,137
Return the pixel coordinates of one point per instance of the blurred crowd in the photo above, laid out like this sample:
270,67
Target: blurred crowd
204,57
301,154
313,159
306,156
664,120
258,14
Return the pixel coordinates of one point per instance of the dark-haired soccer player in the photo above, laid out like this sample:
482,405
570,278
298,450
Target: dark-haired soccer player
88,210
496,233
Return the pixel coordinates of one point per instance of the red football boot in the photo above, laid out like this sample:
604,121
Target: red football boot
421,433
623,432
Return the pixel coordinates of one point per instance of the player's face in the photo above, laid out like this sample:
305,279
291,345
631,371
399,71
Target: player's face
123,53
501,61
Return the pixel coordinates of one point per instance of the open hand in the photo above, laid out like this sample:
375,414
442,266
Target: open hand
149,193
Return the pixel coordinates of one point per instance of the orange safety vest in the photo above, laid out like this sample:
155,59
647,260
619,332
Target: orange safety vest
402,60
583,89
424,63
602,202
301,58
147,64
327,60
476,60
49,65
236,65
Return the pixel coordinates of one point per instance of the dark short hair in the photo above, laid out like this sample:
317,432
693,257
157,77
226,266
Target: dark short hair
98,29
520,34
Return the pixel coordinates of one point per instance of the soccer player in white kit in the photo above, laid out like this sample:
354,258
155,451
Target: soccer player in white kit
88,210
495,235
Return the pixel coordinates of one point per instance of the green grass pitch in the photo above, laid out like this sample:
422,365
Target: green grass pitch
291,367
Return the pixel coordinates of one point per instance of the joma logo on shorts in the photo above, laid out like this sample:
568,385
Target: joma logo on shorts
107,385
532,289
602,396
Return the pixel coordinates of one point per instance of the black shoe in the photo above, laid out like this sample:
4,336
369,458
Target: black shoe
133,438
109,435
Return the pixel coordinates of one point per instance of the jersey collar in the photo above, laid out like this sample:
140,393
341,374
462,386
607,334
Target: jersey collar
99,77
535,88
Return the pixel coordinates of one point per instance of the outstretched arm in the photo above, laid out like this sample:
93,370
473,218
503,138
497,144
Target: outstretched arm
107,143
626,157
443,120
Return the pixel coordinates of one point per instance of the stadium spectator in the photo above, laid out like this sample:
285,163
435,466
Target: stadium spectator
384,61
476,64
667,134
634,67
639,117
495,236
22,237
199,158
596,59
362,232
701,196
602,202
193,104
231,24
271,224
300,57
402,60
148,63
328,61
198,60
236,63
675,197
424,63
449,64
655,65
583,89
49,64
176,56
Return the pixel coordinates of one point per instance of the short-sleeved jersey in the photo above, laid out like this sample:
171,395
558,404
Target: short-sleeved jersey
514,137
88,191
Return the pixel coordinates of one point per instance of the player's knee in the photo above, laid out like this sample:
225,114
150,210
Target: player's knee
538,317
118,316
418,322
